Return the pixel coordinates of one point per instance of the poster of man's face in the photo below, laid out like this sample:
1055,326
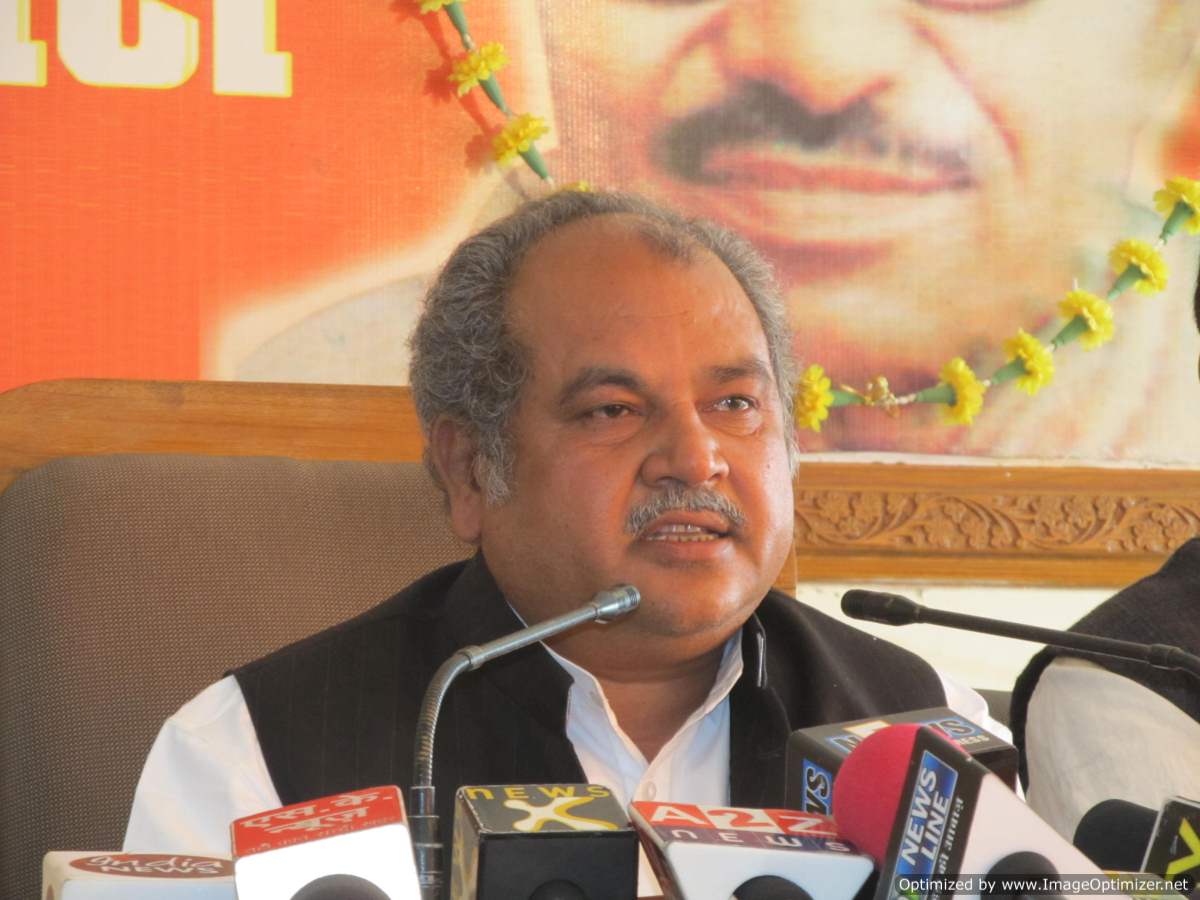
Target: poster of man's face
928,176
925,176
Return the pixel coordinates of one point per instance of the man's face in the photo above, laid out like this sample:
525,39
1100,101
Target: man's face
922,171
648,375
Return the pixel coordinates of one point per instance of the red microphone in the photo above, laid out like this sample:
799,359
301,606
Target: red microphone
940,824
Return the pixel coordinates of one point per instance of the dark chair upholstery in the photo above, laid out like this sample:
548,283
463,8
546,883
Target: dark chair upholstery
998,703
130,582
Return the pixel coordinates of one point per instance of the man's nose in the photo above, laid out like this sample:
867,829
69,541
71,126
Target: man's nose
685,449
826,54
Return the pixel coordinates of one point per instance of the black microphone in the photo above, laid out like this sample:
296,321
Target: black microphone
1114,834
423,820
892,609
1127,837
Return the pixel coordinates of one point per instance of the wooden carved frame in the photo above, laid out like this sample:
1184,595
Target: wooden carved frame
855,522
1049,525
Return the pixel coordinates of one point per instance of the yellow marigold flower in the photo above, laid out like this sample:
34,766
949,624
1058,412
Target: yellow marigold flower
1180,189
1146,259
968,392
478,65
517,136
428,6
1096,311
813,398
1037,358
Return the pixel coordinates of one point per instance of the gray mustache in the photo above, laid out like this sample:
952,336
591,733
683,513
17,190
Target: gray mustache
761,111
687,499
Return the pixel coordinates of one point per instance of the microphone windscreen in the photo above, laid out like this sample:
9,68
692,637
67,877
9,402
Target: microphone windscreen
867,791
875,606
1114,834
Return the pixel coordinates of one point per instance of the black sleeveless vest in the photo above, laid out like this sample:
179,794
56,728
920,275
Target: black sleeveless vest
336,711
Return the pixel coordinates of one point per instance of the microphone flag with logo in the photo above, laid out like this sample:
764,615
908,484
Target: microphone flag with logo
1174,849
516,841
815,754
704,852
349,846
91,875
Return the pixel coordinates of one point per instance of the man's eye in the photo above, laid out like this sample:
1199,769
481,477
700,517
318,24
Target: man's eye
608,411
736,404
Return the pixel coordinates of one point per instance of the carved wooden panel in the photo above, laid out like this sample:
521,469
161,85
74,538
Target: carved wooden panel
1023,525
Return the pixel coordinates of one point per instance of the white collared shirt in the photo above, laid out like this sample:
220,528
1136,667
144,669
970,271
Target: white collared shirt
206,767
692,765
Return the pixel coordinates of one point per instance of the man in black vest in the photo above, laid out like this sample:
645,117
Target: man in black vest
1092,728
606,390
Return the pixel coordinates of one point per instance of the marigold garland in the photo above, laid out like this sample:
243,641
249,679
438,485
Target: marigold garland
968,392
1095,311
1180,190
428,6
813,398
1143,257
517,136
478,65
1037,358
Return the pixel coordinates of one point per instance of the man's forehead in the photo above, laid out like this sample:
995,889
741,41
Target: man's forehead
597,276
612,256
608,307
612,234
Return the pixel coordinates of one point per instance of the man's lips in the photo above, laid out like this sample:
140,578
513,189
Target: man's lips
686,528
755,167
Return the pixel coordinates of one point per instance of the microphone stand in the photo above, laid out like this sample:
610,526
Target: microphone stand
423,818
892,609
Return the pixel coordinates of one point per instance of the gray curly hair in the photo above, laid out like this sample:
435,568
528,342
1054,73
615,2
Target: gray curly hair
467,364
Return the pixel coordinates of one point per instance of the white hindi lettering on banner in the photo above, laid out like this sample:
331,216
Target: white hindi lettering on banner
91,46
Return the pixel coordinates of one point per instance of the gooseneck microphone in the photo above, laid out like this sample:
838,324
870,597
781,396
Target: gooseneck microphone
892,609
427,847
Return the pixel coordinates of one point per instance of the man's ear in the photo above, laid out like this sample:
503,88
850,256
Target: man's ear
453,450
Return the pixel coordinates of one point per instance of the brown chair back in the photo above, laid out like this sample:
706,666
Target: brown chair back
129,582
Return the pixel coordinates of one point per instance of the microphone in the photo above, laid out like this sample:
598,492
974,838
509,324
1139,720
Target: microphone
938,823
542,841
815,754
1128,837
92,875
351,846
427,847
1174,849
892,609
711,852
1114,834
